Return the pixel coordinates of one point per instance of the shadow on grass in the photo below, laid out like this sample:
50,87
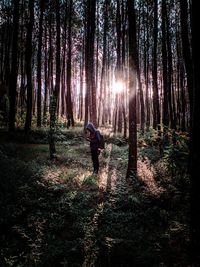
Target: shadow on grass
41,224
93,223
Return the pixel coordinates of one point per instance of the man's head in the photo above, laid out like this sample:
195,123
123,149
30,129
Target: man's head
90,127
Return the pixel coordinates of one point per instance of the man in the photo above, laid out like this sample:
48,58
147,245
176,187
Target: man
94,145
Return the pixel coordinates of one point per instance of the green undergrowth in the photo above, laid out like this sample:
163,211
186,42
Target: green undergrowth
56,213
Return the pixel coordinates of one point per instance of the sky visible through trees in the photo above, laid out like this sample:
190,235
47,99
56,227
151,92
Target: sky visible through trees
92,44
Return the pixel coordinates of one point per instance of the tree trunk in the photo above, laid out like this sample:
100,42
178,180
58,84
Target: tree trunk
186,49
54,97
146,74
132,159
156,107
170,70
165,70
63,75
46,83
39,79
28,59
70,118
90,98
14,67
104,61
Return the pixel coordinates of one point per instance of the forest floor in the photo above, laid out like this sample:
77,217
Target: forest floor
56,213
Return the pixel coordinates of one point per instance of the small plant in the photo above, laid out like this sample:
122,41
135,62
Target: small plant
176,153
90,180
150,137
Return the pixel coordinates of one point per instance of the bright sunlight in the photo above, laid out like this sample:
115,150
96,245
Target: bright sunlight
117,87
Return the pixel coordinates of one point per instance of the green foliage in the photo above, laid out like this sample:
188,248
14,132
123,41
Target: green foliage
149,138
151,153
90,181
120,152
20,119
4,113
176,154
57,214
116,139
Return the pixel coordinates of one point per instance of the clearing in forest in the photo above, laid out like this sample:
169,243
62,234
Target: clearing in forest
55,213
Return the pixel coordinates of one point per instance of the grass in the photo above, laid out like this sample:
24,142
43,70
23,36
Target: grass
55,213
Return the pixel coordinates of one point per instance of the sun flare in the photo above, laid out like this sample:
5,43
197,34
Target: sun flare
117,87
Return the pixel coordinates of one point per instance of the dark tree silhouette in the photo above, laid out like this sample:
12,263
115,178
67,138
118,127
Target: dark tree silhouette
90,99
39,108
28,64
195,143
70,118
14,67
54,96
132,159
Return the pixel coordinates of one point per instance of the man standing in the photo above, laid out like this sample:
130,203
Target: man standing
94,146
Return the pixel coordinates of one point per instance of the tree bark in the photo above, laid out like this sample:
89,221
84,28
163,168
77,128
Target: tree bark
39,68
186,49
132,159
54,97
70,118
156,106
14,67
90,98
28,59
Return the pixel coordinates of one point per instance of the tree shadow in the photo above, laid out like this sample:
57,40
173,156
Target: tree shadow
133,228
98,222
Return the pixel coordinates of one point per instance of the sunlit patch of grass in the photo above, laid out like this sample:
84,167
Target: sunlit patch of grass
81,175
52,177
90,181
74,177
69,174
62,215
102,179
147,174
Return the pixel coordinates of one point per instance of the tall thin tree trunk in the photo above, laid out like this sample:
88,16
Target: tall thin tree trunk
170,70
102,103
63,75
90,97
70,117
91,68
156,107
46,83
28,59
132,159
165,70
14,67
146,74
39,79
54,97
186,49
